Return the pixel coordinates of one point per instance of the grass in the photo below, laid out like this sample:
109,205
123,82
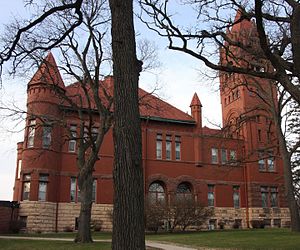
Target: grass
50,245
264,239
235,239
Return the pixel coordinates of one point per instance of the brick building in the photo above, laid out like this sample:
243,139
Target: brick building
236,169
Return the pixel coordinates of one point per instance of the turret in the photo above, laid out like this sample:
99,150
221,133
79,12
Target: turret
43,140
196,110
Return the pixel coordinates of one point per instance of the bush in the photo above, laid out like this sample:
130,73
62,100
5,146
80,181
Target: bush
257,224
187,212
97,225
68,229
16,225
155,216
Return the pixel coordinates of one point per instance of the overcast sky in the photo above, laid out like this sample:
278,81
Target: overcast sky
178,80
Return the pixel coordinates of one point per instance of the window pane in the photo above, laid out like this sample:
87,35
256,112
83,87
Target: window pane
261,161
46,136
211,196
72,141
232,155
42,191
158,149
73,189
26,190
31,132
168,150
177,151
274,197
236,197
214,155
224,156
271,164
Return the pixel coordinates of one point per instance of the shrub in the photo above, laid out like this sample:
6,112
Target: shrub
68,229
187,212
257,224
97,225
16,225
155,216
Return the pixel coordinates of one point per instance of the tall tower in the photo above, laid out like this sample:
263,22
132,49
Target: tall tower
247,104
39,155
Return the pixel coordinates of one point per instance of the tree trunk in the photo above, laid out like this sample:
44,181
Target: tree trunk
288,181
128,214
85,184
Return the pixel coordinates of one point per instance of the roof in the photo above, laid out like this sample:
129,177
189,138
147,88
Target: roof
195,101
211,131
241,22
151,107
48,73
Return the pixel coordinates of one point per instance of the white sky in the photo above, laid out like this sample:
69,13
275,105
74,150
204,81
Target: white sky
179,80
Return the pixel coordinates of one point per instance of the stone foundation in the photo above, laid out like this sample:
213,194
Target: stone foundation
51,217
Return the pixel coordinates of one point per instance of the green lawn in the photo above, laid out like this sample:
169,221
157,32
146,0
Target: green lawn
238,239
263,239
50,245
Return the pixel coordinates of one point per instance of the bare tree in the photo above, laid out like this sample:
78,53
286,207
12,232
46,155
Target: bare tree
128,225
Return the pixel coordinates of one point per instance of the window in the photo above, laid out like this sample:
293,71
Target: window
264,196
72,141
43,181
266,161
270,161
19,169
273,197
31,132
236,196
223,155
269,196
73,188
156,192
46,136
26,187
159,146
177,148
94,133
184,191
259,134
75,191
94,190
261,161
214,156
211,195
168,147
232,155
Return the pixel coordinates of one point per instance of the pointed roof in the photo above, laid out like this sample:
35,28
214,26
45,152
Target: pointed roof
195,101
241,22
48,73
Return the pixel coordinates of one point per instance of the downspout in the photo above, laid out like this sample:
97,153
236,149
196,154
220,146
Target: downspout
145,154
246,194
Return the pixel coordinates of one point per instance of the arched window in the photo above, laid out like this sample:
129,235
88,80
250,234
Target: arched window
184,191
156,192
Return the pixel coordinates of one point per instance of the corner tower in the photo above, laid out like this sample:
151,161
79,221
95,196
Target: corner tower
247,103
39,158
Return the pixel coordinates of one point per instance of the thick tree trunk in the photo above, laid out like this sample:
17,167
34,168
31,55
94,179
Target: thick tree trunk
288,181
85,184
128,214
